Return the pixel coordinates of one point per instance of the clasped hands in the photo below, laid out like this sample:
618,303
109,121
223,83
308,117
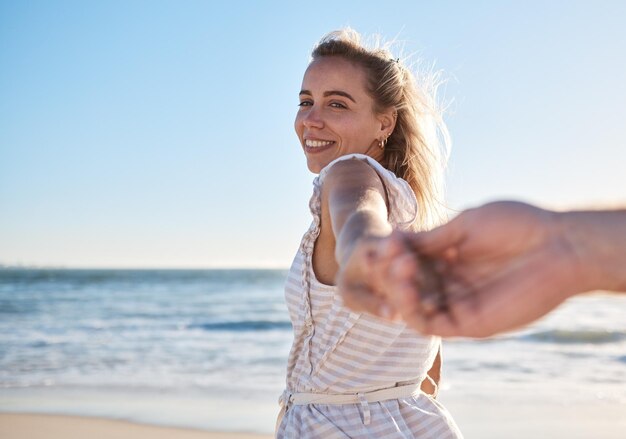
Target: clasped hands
491,269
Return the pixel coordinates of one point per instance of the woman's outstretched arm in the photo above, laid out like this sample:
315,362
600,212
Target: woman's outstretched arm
354,217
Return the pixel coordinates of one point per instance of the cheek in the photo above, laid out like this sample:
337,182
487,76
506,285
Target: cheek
356,129
355,134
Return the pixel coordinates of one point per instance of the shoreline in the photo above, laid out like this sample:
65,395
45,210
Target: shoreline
53,426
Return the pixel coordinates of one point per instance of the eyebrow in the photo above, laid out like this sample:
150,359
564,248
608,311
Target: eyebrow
330,93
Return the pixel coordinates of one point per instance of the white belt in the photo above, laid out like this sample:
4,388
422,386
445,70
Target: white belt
364,398
301,398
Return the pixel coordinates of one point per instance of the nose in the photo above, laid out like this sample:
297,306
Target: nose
312,118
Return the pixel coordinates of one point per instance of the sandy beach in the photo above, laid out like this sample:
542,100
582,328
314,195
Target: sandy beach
29,426
482,421
521,420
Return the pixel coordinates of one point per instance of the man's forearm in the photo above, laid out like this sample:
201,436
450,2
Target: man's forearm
599,241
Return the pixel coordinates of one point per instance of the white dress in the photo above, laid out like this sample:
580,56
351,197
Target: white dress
336,351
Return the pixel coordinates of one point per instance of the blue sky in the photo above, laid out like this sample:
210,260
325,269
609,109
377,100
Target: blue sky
160,134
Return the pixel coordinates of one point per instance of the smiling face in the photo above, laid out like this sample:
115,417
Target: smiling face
336,115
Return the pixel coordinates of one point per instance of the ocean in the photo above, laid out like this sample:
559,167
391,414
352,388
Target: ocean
208,348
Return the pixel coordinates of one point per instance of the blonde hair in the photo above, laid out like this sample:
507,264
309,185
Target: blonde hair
418,147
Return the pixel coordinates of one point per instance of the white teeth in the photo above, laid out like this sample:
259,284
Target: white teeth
317,143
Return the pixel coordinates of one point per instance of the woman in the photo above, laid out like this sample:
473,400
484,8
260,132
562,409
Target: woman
363,124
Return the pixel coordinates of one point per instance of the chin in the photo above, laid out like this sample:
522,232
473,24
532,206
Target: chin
315,164
314,167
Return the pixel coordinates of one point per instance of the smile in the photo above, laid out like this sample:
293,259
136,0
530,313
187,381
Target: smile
317,143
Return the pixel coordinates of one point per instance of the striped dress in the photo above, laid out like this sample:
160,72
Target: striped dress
336,351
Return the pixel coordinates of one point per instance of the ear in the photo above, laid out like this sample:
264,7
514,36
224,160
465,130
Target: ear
387,121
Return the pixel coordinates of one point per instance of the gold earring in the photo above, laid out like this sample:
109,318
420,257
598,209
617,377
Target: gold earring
382,143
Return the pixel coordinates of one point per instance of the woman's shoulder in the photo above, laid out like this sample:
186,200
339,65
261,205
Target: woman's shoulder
363,169
352,160
354,170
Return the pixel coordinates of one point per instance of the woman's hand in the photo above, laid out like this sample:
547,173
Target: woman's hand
355,281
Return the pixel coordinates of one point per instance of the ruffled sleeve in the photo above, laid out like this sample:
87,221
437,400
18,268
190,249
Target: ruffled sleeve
402,202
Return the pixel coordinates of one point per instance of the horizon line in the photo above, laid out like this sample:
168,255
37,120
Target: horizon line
138,267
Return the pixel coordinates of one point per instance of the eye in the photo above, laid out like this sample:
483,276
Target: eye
305,104
338,105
